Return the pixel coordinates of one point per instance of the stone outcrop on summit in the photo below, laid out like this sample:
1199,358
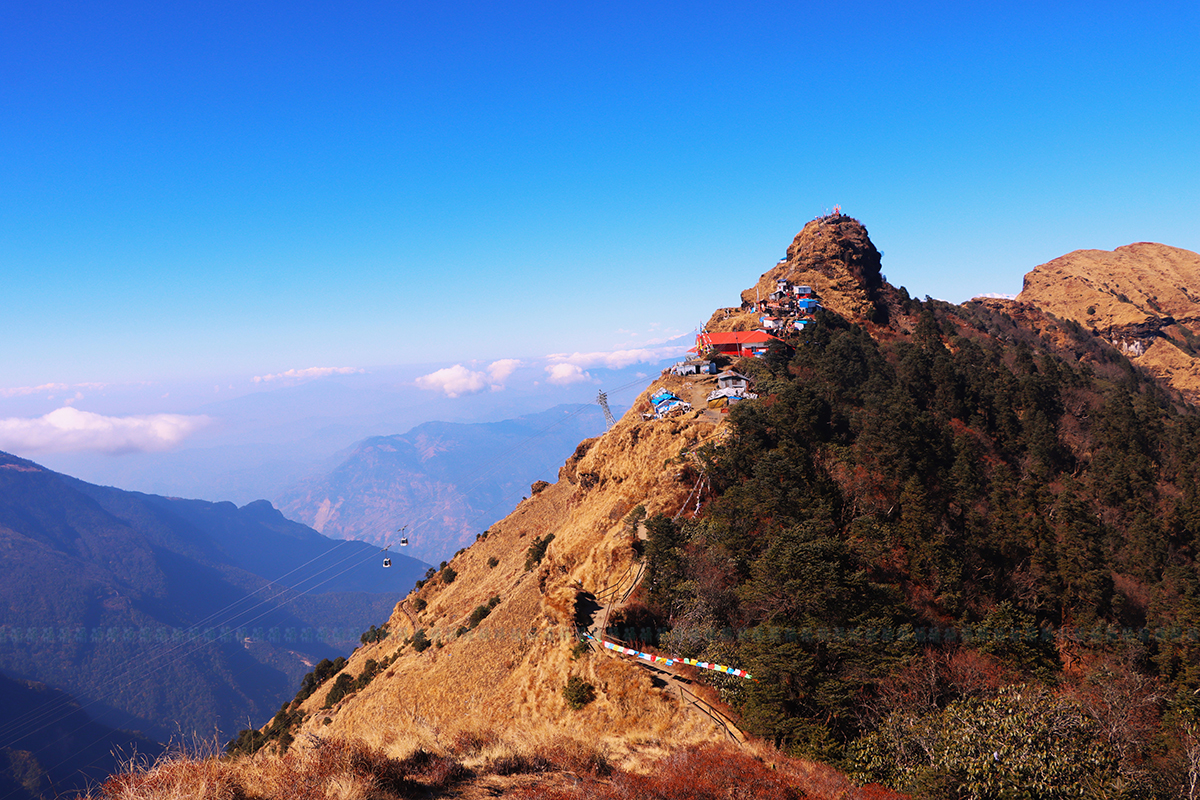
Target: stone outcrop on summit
832,254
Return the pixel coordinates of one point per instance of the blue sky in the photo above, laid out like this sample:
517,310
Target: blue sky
241,189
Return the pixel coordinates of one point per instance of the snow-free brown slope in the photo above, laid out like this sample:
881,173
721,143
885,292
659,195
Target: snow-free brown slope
508,674
1143,298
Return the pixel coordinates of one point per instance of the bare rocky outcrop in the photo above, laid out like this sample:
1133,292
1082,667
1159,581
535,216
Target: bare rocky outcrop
1143,298
832,254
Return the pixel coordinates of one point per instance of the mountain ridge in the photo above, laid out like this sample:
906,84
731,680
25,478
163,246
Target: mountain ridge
1138,297
940,537
443,481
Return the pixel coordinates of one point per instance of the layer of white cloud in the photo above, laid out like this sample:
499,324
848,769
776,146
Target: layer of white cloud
673,334
24,391
47,388
458,380
995,296
311,372
562,369
501,370
68,429
563,374
616,359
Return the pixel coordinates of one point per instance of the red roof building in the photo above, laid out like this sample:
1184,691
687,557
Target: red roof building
736,344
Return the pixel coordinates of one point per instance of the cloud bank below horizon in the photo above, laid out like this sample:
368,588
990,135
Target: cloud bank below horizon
47,388
458,380
310,372
566,369
68,429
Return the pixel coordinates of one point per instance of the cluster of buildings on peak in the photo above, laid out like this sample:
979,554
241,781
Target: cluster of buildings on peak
731,387
789,306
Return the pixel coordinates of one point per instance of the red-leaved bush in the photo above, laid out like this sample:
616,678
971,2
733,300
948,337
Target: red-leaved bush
710,773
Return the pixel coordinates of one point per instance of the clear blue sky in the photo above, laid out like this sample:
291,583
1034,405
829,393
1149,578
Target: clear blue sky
234,188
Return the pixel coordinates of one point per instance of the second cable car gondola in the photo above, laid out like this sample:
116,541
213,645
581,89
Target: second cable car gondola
387,562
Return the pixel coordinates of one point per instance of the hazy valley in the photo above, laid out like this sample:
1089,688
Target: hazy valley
445,482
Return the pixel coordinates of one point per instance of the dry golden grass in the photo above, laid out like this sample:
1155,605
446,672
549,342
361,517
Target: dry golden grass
481,764
510,670
1109,291
327,769
494,695
490,702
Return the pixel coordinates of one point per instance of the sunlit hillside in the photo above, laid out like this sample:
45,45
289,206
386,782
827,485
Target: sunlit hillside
947,550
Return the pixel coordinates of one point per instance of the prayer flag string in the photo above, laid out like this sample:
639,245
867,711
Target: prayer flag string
668,661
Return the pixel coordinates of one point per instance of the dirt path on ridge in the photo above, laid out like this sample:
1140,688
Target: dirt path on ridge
592,618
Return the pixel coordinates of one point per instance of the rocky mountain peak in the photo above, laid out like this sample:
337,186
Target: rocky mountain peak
832,254
1144,298
834,245
835,256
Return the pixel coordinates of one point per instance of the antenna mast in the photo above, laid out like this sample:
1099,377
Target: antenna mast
602,399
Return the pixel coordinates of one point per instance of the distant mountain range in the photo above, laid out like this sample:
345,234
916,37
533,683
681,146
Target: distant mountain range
446,481
262,441
173,617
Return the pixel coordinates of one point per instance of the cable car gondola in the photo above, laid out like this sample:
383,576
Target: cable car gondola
387,562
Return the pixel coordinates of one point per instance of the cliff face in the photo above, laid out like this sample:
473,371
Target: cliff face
836,248
1143,298
835,256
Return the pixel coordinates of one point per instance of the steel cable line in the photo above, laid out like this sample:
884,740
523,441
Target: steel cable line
191,634
131,674
196,649
267,584
482,472
486,469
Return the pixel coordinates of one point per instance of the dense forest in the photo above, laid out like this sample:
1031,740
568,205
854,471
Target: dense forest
958,556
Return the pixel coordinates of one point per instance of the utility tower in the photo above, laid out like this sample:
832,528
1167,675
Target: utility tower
602,399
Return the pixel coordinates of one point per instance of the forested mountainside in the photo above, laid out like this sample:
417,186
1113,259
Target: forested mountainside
147,611
446,480
903,532
949,549
71,754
